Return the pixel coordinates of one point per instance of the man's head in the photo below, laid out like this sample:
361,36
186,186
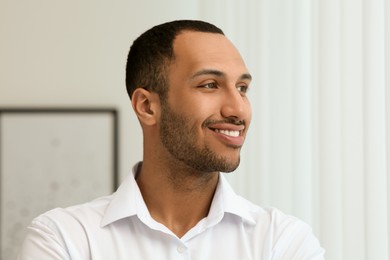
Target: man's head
200,115
152,52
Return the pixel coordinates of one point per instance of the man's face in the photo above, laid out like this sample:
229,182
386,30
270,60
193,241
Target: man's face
206,114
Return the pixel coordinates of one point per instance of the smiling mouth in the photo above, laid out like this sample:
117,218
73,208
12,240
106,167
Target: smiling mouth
231,137
231,133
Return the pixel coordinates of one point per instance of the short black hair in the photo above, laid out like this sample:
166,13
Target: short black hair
151,53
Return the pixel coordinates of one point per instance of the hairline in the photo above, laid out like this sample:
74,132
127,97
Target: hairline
168,61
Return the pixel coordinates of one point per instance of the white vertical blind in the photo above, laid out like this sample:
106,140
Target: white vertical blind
375,129
387,95
319,144
352,100
329,128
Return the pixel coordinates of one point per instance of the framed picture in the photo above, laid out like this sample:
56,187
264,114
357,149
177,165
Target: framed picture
52,158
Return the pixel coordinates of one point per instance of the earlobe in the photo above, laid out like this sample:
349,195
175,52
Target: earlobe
145,105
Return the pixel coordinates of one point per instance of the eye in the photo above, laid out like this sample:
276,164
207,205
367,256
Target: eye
210,85
243,89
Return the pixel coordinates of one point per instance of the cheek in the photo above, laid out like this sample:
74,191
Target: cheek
249,108
196,106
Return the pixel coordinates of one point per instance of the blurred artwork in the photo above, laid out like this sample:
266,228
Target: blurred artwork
51,159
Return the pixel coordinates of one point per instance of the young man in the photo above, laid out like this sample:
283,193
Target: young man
187,84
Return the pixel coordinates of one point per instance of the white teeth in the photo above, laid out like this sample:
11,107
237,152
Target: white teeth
227,132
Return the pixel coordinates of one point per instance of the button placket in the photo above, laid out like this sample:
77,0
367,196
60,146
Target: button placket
181,249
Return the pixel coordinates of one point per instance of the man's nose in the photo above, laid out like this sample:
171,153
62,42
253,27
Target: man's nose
235,105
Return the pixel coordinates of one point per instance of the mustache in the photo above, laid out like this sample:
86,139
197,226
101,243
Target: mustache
228,120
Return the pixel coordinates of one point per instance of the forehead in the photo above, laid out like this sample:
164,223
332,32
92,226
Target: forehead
199,50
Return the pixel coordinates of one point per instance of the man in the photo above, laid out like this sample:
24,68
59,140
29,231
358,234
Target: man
187,84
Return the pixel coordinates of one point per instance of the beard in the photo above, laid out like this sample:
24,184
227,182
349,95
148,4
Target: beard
180,138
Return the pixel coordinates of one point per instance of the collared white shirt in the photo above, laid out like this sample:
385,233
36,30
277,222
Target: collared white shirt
120,227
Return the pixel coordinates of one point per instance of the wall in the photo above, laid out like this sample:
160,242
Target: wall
73,53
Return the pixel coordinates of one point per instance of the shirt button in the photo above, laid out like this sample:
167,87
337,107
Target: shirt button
181,249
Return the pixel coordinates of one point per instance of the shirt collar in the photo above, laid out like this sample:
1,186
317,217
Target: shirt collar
127,201
230,202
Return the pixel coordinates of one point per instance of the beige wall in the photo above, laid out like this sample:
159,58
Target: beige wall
73,53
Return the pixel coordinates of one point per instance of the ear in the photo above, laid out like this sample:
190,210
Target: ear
146,105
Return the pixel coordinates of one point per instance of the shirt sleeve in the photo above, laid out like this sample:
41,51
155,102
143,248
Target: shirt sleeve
305,246
295,241
42,242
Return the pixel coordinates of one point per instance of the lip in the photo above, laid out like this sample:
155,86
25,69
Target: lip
231,141
229,127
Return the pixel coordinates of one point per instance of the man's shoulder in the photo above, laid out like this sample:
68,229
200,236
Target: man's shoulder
290,237
271,216
90,212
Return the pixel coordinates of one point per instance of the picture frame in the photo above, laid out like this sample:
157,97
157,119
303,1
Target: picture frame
52,157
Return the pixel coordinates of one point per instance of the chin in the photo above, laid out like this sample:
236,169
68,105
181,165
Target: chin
229,166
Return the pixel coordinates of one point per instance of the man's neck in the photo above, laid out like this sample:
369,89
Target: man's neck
177,199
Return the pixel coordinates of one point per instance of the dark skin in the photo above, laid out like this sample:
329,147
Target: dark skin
176,194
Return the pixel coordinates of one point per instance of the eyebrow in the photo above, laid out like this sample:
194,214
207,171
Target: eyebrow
245,76
208,72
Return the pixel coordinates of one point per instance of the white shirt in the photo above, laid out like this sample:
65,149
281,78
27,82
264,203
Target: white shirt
120,227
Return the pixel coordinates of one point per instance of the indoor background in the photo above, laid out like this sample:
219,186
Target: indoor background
319,143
